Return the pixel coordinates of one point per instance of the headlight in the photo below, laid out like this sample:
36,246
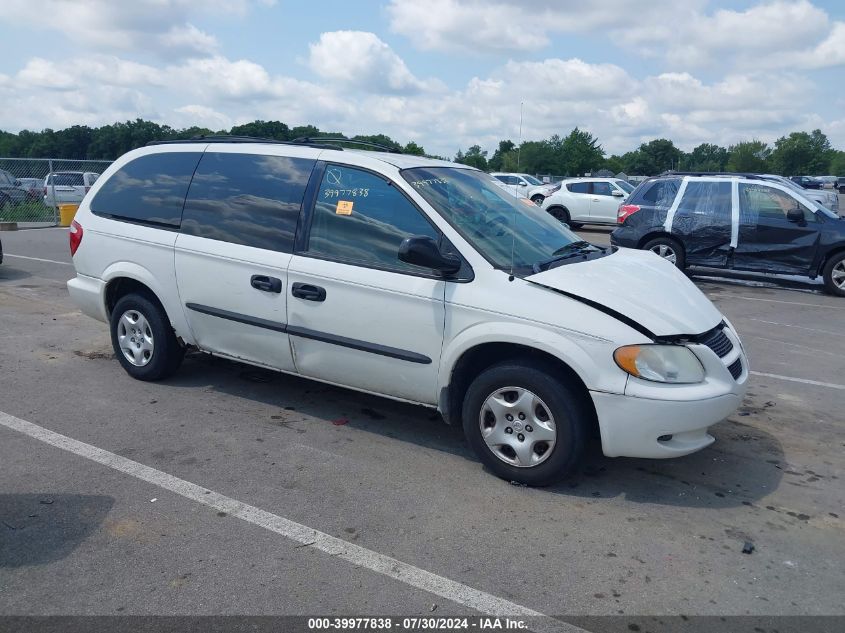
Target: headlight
660,363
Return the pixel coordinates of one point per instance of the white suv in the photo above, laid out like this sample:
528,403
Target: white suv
526,186
588,200
407,277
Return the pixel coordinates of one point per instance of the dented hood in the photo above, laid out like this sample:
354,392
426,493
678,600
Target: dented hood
640,286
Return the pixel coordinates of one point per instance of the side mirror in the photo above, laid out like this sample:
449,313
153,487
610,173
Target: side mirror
421,250
795,215
617,194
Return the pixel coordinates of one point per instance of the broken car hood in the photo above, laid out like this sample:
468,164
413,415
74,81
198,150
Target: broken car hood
638,285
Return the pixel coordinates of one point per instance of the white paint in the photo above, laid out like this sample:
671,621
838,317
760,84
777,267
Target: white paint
794,303
457,592
39,259
805,381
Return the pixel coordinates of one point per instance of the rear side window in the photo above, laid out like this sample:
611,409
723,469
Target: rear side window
149,189
705,204
247,199
661,193
579,187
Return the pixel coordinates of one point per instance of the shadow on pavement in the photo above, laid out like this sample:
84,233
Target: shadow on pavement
742,467
36,529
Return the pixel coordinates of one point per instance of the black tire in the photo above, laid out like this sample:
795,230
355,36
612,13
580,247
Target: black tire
537,199
830,282
565,405
166,354
668,243
562,214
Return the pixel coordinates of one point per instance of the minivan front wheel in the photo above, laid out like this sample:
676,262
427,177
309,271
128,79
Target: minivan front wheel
523,424
834,275
143,341
668,249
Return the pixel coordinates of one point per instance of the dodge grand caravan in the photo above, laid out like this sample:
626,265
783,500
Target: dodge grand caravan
410,278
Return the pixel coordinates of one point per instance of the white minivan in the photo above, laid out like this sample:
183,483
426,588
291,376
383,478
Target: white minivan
410,278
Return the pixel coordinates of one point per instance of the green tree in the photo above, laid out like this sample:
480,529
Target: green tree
412,148
474,157
749,156
497,161
578,153
837,164
263,129
706,157
801,153
658,156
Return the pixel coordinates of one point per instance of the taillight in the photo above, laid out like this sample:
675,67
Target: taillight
75,236
625,211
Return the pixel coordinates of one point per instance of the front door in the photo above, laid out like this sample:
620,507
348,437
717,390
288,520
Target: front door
768,241
234,248
357,316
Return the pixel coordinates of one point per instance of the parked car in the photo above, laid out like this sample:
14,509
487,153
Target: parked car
587,200
67,187
740,222
11,194
807,182
526,186
840,184
32,186
828,199
406,277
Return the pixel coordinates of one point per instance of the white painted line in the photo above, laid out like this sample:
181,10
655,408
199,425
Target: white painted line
38,259
795,303
800,327
829,385
457,592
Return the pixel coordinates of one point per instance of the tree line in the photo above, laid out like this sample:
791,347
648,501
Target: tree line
577,153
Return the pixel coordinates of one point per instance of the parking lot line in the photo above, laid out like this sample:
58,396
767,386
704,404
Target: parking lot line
805,381
454,591
795,303
38,259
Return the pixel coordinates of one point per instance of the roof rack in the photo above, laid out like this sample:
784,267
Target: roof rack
329,142
670,172
349,141
231,138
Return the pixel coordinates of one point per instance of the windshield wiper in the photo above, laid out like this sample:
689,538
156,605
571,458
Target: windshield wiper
573,249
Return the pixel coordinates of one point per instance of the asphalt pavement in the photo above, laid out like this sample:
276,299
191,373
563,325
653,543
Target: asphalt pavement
427,529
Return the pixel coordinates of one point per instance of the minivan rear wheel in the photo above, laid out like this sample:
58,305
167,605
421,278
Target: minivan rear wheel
523,424
834,275
668,249
143,341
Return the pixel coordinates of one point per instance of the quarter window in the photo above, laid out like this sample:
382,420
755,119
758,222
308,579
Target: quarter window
706,204
151,188
362,218
660,194
248,199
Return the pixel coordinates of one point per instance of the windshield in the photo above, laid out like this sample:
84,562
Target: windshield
6,178
497,225
532,179
624,185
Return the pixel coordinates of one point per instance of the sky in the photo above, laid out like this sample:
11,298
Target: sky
446,74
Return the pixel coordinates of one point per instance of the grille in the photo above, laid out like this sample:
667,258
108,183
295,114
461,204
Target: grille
736,368
717,341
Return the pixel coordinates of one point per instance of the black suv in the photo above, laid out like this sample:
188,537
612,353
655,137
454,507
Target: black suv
734,221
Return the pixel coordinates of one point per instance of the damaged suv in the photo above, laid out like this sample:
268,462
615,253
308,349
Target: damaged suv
406,277
741,222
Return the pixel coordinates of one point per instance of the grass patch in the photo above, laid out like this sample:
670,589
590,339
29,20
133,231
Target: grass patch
30,211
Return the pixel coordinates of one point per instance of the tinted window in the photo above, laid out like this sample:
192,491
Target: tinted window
661,193
67,180
759,202
579,187
624,185
247,199
362,218
150,188
602,189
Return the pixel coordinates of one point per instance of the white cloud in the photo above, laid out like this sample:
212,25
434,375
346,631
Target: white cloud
360,61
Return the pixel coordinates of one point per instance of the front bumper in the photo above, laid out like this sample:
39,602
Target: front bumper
89,294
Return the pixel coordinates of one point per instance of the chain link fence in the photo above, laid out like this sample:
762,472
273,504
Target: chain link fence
31,189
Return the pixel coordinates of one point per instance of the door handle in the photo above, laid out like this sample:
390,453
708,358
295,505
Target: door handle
265,283
308,292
